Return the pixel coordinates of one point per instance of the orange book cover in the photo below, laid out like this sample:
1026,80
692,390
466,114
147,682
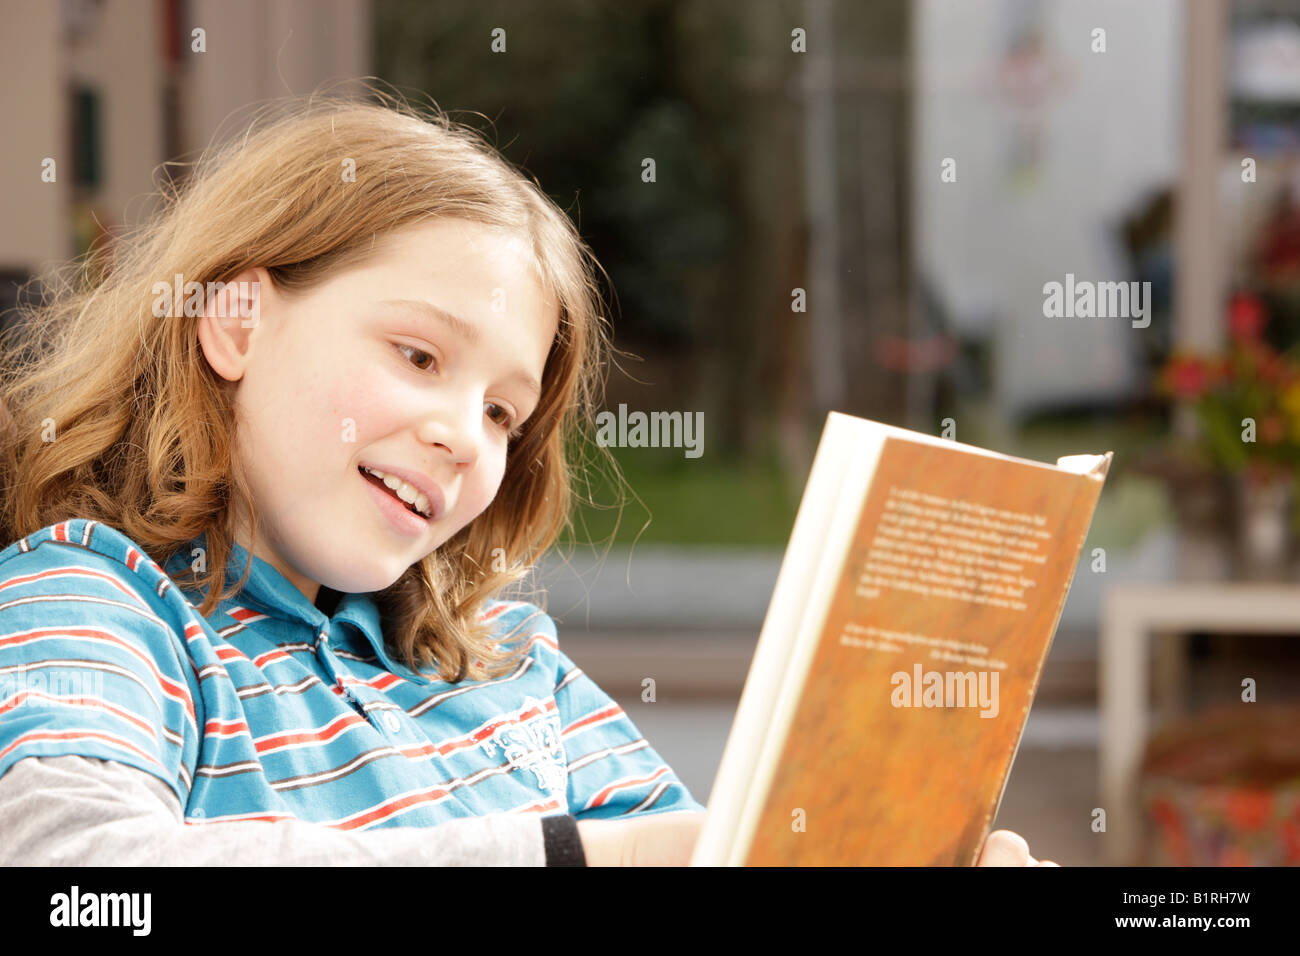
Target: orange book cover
891,742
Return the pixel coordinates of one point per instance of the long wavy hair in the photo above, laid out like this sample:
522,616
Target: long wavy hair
145,430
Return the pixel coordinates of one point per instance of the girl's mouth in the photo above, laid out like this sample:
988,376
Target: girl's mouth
389,491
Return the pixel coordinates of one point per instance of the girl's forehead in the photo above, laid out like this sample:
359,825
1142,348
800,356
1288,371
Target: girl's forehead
447,252
466,233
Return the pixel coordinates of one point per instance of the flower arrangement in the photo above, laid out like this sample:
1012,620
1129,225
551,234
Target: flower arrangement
1247,400
1222,788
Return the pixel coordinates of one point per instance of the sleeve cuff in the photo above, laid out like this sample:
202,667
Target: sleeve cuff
561,840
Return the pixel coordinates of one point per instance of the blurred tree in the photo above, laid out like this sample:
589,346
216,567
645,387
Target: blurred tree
585,92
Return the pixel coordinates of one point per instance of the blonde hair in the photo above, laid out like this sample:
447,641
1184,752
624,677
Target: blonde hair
146,429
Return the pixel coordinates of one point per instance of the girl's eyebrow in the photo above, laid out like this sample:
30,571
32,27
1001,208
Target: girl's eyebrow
463,327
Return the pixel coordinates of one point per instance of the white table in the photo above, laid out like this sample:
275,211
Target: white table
1131,614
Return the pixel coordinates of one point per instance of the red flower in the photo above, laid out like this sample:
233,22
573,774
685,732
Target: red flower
1269,365
1165,813
1189,377
1246,317
1173,834
1249,809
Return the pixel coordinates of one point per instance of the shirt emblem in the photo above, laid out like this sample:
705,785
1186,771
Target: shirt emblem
534,746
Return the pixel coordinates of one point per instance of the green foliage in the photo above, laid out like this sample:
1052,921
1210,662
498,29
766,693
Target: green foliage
583,94
669,499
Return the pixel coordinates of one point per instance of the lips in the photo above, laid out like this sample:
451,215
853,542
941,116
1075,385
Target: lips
417,480
390,492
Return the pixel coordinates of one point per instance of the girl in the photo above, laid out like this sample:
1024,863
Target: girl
340,369
364,426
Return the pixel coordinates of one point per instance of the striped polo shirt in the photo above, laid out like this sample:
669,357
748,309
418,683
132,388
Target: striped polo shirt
274,709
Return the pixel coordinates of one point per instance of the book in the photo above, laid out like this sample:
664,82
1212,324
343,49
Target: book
915,605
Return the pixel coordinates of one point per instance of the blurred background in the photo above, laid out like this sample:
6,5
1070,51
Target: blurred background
855,207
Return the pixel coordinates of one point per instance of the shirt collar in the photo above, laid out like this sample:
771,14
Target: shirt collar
274,594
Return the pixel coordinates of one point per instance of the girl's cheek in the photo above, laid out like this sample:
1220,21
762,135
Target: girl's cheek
363,402
488,478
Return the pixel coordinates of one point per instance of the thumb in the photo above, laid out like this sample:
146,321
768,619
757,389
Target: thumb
1004,848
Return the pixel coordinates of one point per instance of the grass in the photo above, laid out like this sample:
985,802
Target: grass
689,501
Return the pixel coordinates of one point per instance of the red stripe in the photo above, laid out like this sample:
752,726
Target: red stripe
76,572
384,810
237,818
216,726
418,750
495,612
244,615
383,682
613,710
540,638
540,806
327,733
261,660
74,735
83,701
603,795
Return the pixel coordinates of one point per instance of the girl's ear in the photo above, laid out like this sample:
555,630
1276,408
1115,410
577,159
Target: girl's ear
231,322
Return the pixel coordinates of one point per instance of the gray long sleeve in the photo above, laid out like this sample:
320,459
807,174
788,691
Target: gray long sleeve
70,810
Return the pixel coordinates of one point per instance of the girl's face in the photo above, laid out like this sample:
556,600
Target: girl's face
370,368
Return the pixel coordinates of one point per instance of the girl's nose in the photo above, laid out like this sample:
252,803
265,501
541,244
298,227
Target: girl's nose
459,430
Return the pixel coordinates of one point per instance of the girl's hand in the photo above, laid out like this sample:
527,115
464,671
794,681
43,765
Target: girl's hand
659,839
1004,848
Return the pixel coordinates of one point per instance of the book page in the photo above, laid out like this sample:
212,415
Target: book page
792,638
848,447
917,694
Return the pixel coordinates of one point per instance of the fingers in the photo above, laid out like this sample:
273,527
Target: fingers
1004,848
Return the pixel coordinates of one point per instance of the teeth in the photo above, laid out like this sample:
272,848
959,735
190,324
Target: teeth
403,490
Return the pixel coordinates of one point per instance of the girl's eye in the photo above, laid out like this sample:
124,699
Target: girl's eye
505,420
411,348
